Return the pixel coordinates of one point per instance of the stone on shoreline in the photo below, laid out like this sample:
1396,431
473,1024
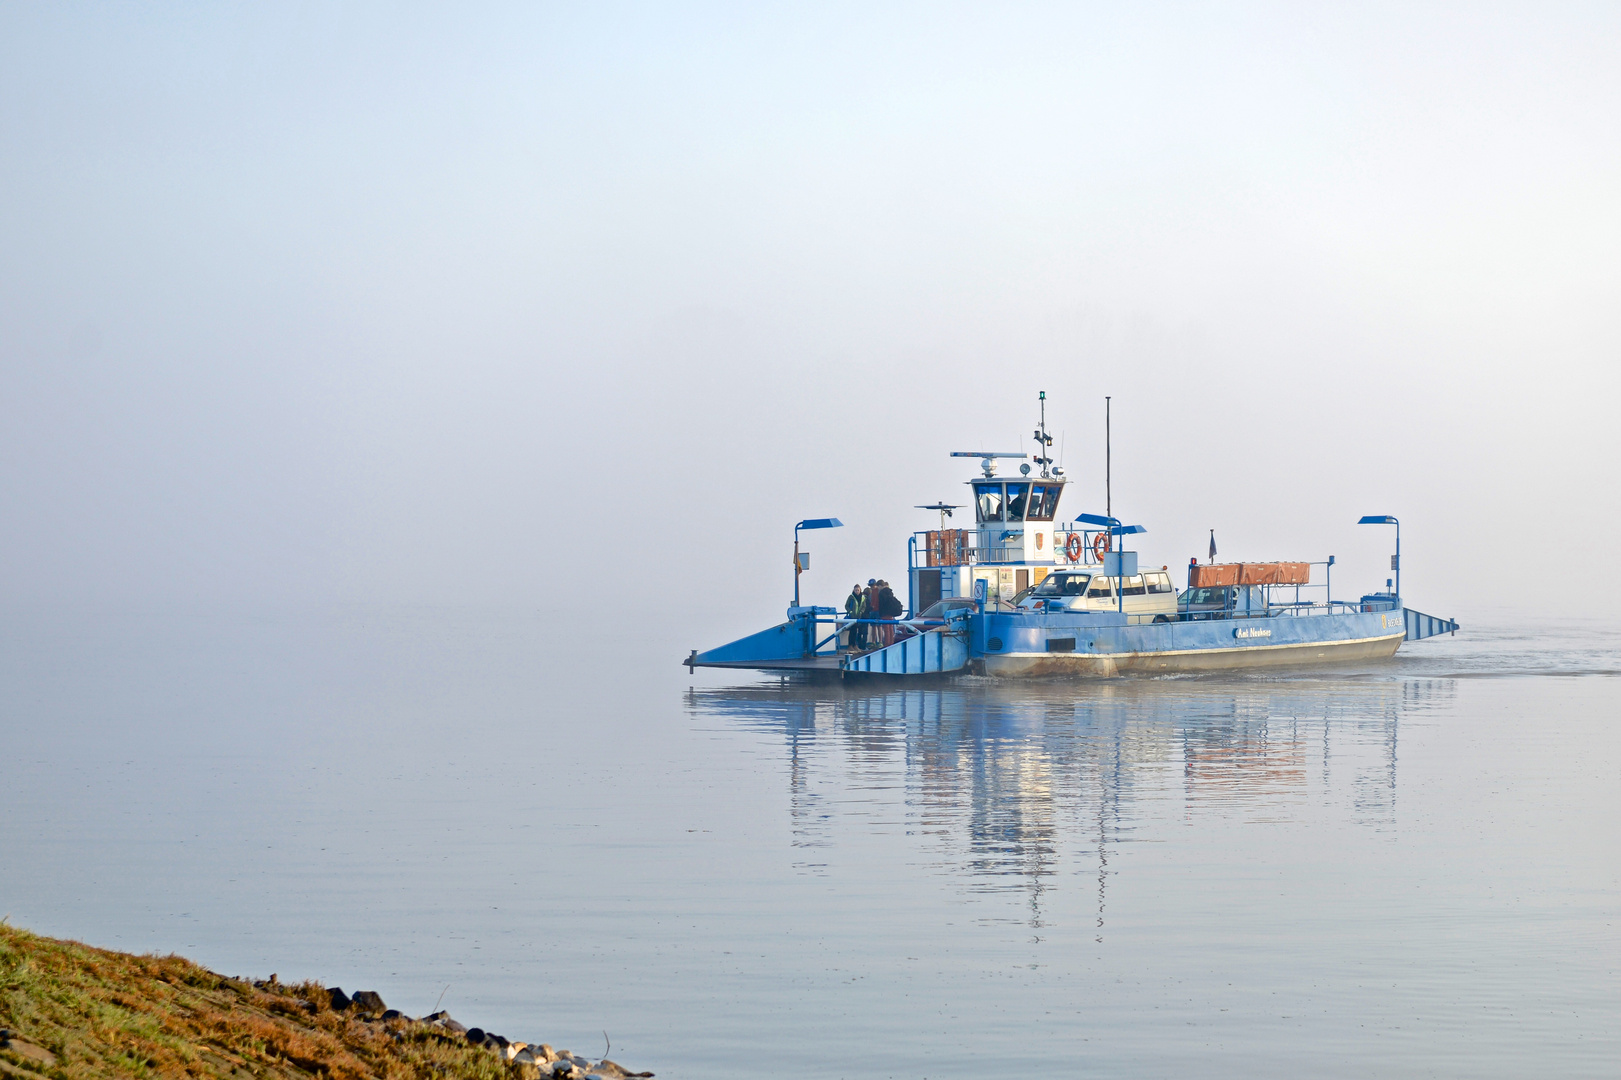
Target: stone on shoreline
527,1061
369,1001
444,1021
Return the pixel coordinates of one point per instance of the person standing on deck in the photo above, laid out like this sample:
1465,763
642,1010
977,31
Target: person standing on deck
855,605
889,609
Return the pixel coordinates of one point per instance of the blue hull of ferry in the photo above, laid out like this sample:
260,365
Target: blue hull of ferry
1103,643
1033,643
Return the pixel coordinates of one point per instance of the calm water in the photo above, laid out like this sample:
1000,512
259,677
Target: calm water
1412,869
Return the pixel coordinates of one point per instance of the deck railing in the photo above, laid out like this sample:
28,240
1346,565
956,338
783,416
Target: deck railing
1302,609
930,548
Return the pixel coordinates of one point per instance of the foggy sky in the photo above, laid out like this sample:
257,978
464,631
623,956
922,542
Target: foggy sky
578,306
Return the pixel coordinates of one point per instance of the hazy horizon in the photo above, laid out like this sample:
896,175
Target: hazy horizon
536,305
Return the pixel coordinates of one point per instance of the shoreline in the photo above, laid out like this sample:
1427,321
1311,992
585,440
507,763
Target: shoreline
70,1010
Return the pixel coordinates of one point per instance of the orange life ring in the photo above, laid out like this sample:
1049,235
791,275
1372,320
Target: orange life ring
1100,544
1072,547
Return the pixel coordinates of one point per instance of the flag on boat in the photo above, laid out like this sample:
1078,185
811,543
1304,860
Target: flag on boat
1212,545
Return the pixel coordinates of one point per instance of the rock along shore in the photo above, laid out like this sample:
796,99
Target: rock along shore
69,1010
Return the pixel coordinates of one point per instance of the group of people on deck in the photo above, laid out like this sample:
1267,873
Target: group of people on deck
876,601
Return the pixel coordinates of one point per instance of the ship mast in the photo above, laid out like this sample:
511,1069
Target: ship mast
1044,442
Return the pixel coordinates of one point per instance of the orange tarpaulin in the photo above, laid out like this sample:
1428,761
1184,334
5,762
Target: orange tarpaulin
1265,573
1202,577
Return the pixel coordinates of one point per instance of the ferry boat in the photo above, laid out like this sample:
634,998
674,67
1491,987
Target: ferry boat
1027,593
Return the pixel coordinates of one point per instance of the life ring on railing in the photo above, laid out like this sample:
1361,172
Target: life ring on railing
1073,547
1100,544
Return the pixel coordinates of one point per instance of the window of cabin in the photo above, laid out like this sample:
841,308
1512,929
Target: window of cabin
1043,502
988,501
1018,498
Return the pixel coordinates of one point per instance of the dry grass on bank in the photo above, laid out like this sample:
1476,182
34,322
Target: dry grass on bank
77,1012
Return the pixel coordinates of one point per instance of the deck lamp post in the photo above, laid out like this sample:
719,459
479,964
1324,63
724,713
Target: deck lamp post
802,562
1114,528
1395,560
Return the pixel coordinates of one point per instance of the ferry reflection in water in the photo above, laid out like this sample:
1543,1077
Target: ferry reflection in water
1029,786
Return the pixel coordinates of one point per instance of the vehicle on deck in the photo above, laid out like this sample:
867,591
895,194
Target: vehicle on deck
1221,602
941,609
1149,593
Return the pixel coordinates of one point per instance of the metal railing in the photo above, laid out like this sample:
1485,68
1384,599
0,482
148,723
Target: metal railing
1300,609
1304,609
912,626
922,555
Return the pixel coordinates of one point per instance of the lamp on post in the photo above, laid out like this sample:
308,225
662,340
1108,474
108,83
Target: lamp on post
802,562
1116,564
1395,560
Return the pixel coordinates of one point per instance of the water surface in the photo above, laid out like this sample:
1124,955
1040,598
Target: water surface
1404,869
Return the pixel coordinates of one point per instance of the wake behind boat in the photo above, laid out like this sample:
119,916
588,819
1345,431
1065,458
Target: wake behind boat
1026,593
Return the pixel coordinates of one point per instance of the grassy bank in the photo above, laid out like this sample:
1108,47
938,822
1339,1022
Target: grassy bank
74,1011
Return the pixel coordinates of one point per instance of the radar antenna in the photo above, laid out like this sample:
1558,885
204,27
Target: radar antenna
945,509
987,458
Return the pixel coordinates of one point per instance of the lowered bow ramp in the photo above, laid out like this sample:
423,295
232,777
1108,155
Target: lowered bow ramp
923,654
1421,626
808,641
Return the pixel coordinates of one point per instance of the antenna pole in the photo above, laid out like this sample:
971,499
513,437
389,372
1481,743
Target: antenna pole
1046,459
1108,509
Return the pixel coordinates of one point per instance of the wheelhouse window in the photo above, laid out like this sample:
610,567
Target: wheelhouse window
988,502
1018,498
1043,502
